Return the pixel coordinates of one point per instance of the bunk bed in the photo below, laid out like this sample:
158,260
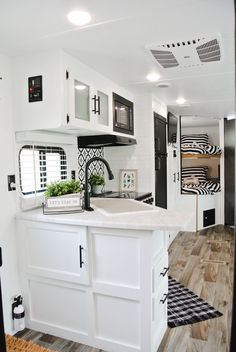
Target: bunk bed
194,179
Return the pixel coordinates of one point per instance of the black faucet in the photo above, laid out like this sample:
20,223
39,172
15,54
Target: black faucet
86,191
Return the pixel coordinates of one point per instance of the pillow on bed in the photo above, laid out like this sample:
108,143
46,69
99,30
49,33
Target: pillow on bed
195,171
195,139
190,181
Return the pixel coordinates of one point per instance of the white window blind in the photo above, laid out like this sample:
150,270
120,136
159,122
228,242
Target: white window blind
40,166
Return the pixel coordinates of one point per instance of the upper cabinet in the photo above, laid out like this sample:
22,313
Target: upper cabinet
89,99
54,91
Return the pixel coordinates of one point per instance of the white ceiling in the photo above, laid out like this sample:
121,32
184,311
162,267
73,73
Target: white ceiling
115,43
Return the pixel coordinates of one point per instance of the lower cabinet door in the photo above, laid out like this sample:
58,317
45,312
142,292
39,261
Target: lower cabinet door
58,307
56,251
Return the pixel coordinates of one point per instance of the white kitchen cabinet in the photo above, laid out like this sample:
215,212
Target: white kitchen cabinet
111,296
54,307
55,251
68,91
88,106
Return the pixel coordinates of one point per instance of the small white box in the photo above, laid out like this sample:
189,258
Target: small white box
68,203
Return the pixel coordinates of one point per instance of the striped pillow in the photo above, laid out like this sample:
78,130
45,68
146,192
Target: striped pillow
195,171
195,139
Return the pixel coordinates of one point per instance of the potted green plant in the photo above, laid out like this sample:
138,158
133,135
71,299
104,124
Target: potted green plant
61,188
96,182
62,196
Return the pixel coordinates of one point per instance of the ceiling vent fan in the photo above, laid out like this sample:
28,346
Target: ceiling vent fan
189,53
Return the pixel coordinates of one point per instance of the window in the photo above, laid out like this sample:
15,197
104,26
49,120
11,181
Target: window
40,166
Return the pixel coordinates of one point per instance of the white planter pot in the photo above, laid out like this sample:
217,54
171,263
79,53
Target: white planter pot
97,189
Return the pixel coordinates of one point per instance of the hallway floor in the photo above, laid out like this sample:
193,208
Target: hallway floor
203,262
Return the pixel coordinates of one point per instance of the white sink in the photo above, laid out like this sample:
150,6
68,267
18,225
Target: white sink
117,206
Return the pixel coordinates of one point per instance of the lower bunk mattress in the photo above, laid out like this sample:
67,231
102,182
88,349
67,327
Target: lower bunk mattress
202,188
203,150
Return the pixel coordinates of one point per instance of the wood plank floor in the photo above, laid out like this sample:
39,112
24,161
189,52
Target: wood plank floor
203,262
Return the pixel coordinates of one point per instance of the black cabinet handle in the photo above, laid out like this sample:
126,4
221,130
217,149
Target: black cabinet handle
81,262
174,177
99,105
94,104
164,298
164,272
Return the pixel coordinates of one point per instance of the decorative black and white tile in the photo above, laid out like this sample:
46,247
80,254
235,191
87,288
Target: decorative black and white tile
84,155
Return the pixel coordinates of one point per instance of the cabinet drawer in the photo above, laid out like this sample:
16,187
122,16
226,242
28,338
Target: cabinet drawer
160,273
57,251
159,244
159,304
159,315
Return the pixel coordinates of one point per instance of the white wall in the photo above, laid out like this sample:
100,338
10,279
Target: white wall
212,131
9,274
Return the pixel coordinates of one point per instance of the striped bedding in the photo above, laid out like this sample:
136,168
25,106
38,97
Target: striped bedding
198,144
197,171
195,139
206,150
202,188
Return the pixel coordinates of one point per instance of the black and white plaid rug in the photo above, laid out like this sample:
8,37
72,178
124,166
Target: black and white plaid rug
184,307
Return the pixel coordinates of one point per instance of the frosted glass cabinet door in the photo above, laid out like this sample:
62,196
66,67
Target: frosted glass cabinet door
103,108
82,93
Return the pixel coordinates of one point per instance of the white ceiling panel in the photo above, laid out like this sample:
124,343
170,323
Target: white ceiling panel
116,41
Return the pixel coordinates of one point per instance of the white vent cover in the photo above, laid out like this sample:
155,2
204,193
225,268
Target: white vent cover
188,53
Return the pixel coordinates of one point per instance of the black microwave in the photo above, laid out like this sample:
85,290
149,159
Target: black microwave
123,115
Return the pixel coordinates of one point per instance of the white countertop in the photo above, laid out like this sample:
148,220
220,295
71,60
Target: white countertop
153,219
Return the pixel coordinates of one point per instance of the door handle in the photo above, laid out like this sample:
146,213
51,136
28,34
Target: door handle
158,163
81,262
174,174
178,176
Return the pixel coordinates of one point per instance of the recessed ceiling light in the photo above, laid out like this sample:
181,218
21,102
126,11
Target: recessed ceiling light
231,117
180,101
80,86
79,18
153,77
